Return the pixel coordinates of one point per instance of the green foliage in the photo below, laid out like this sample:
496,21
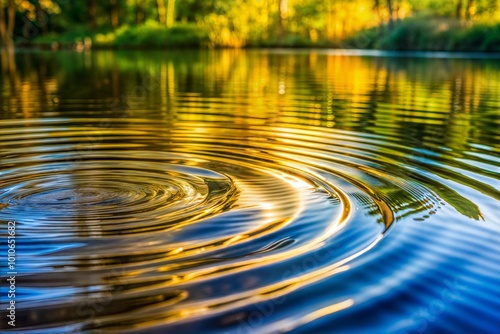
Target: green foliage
438,34
289,41
149,35
153,35
365,39
484,38
438,25
73,36
492,41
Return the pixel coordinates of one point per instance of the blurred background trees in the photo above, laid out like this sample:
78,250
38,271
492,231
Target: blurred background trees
420,24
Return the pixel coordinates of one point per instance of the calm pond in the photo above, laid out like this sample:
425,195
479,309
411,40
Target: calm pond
251,191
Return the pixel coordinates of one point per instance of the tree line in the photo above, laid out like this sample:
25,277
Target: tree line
229,22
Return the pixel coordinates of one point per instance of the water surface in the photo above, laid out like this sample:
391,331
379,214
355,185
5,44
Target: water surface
251,191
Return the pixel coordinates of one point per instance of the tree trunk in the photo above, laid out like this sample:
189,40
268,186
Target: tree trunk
391,18
282,13
114,13
397,7
380,22
330,26
7,25
161,11
92,7
470,10
3,25
140,11
12,18
170,13
458,9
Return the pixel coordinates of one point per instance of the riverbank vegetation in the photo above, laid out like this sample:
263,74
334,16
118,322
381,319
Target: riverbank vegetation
440,25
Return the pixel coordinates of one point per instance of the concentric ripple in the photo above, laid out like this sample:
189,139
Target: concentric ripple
214,209
57,194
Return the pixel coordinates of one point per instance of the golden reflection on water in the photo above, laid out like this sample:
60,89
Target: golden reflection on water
194,188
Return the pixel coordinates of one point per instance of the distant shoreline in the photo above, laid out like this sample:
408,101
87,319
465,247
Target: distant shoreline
289,50
418,34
